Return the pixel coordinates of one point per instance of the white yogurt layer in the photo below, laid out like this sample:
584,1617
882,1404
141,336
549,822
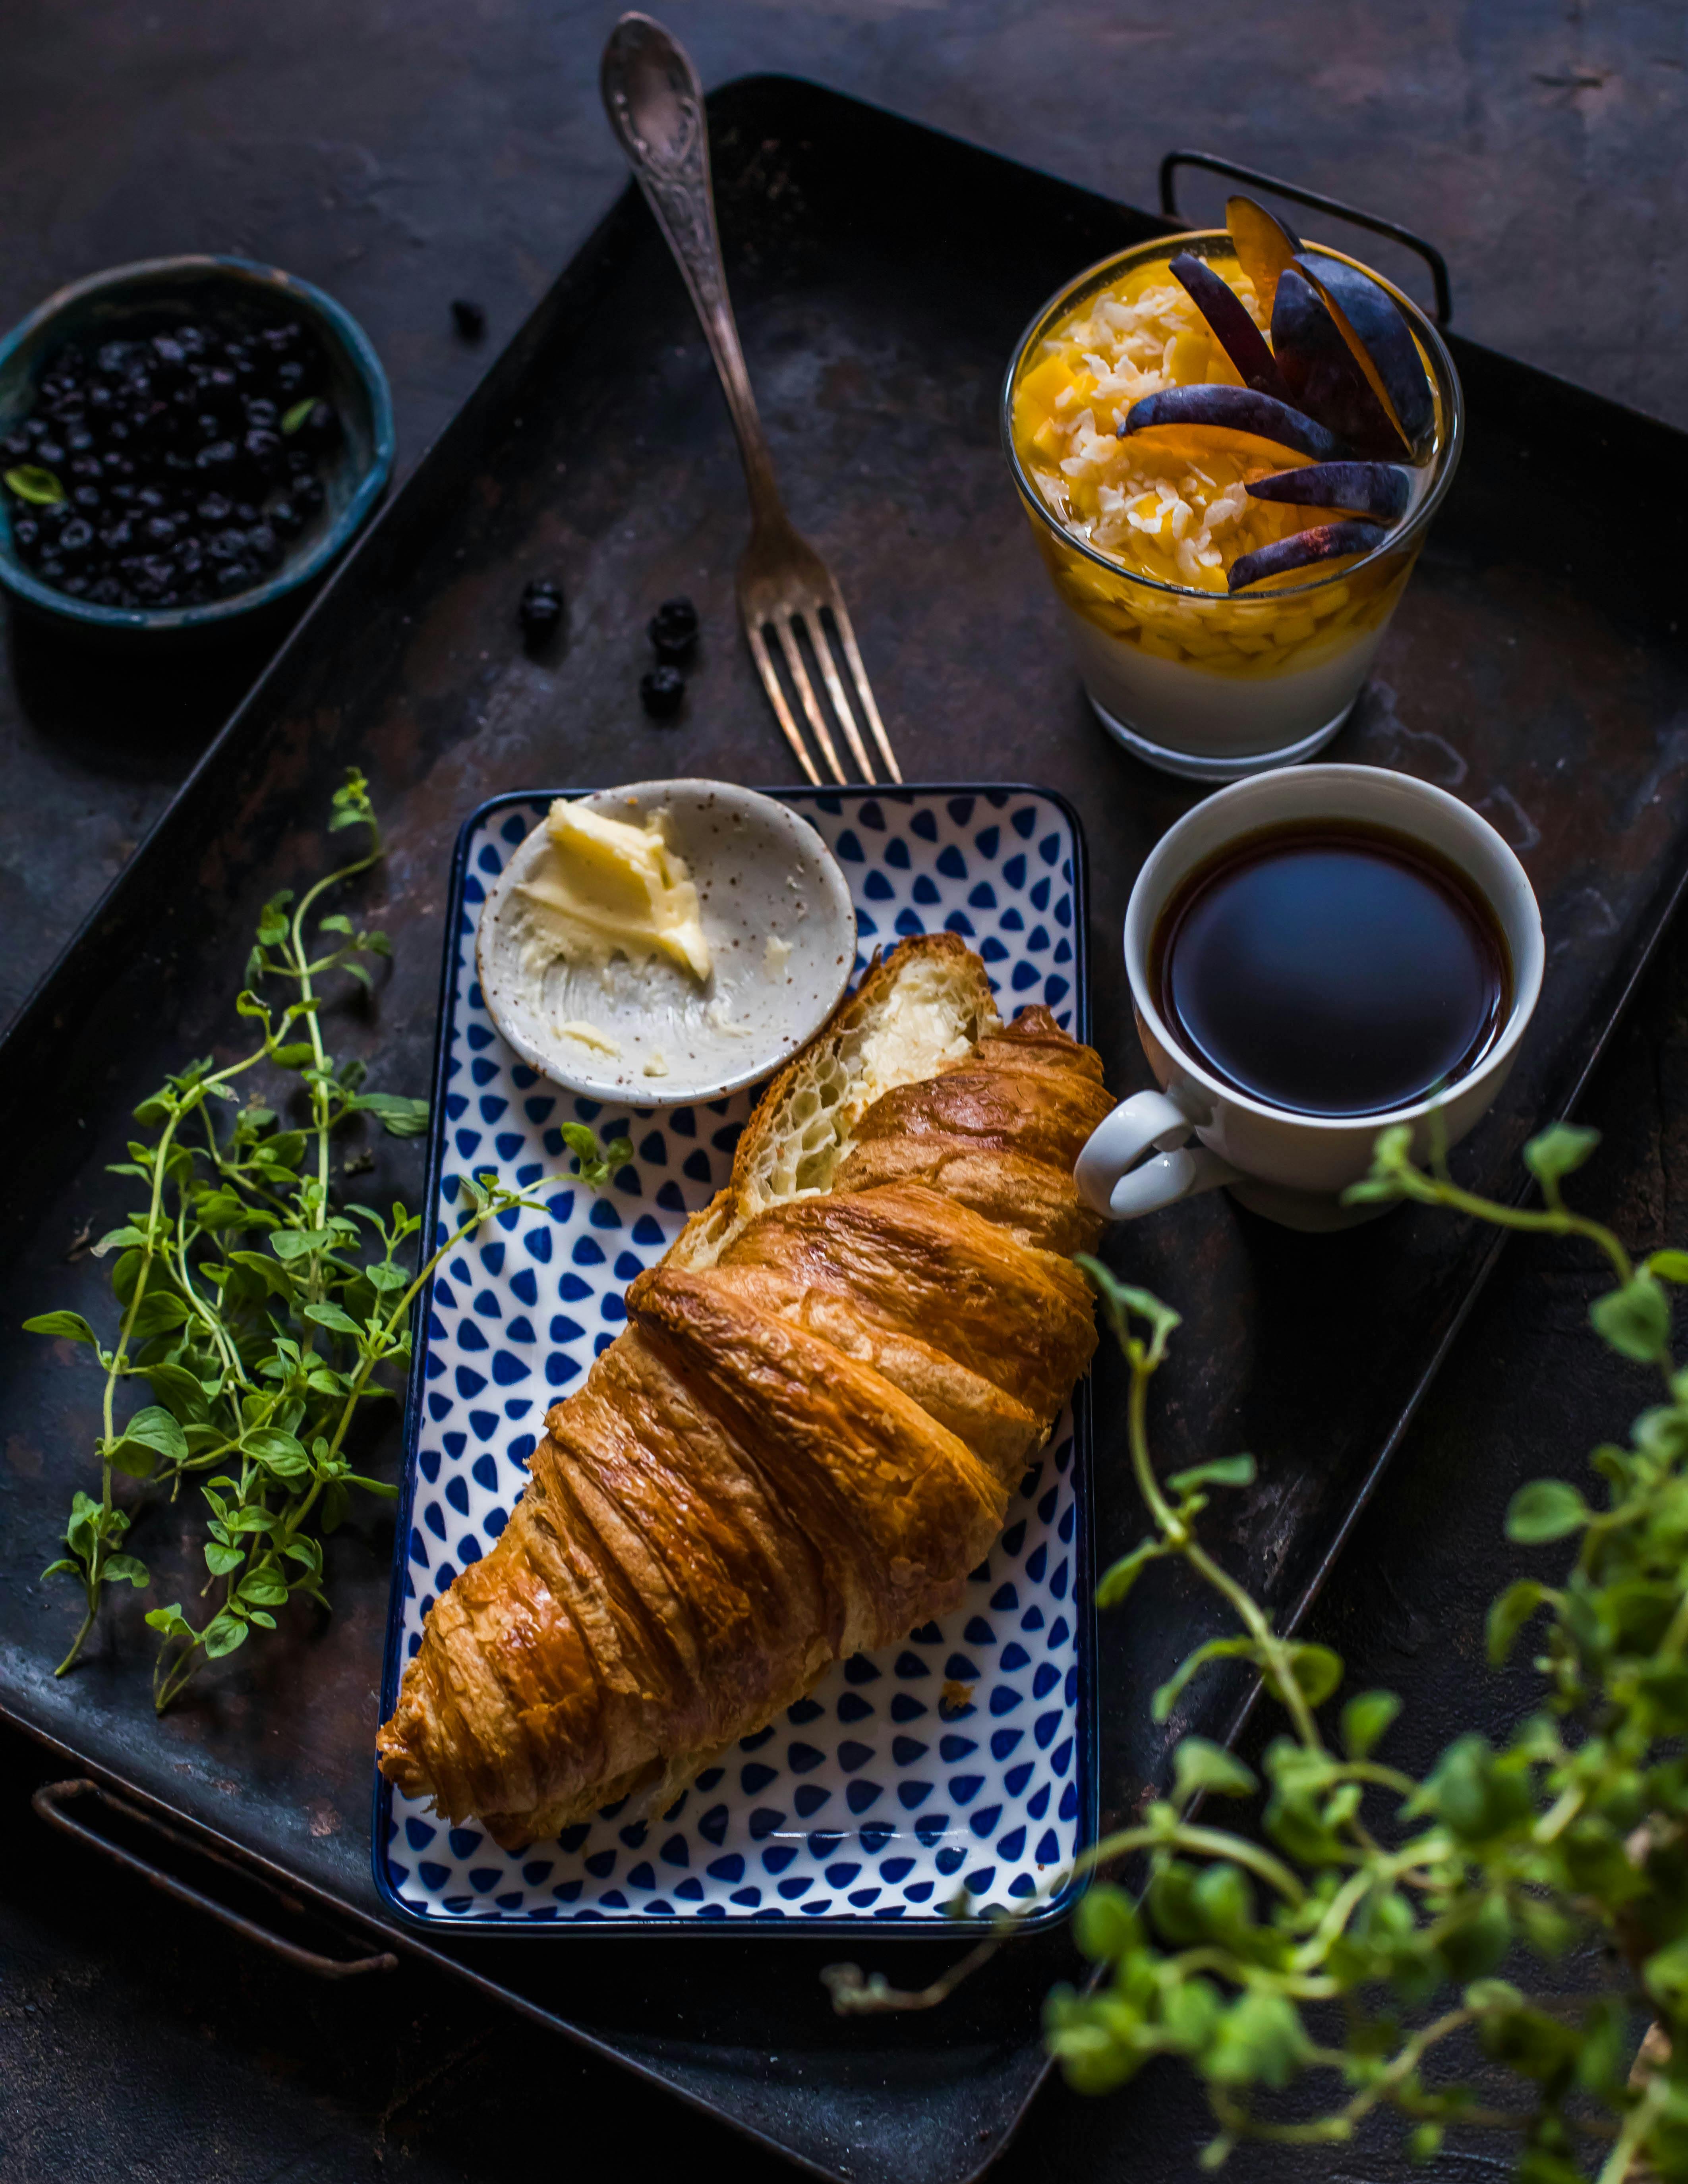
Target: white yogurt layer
1212,718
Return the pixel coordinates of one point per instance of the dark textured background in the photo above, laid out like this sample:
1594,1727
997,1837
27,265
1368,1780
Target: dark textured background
401,155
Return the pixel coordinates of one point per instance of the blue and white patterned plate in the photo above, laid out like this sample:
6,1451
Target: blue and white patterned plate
961,1759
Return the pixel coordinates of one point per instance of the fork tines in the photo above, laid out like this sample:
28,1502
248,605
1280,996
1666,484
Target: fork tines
808,632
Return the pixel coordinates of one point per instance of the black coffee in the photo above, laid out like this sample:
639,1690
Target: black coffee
1332,968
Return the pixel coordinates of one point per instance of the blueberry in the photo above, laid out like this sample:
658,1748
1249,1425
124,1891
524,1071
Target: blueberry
306,492
674,630
661,692
107,592
160,530
88,498
469,318
263,546
17,447
285,520
263,450
114,357
260,411
234,577
118,538
49,453
26,537
214,508
290,377
540,613
76,539
151,498
217,459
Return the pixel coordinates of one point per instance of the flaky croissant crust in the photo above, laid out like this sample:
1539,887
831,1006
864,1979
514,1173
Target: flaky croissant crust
804,1439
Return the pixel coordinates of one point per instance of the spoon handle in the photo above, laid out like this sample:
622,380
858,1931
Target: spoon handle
655,102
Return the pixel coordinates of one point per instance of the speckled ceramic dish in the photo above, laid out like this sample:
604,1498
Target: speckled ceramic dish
781,928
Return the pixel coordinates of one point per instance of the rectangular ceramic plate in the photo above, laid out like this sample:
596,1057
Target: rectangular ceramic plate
960,1759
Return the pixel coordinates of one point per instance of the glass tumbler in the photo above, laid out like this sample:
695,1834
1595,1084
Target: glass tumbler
1202,683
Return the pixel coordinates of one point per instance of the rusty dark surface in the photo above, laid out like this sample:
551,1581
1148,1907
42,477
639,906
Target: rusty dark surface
1532,669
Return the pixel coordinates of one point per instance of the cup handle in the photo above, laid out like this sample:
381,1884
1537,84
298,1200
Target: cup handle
1109,1180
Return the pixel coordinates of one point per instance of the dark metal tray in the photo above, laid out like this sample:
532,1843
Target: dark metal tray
882,273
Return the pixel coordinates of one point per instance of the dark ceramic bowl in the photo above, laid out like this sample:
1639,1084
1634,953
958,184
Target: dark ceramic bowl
132,302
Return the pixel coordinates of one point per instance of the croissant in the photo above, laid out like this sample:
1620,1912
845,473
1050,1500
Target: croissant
808,1431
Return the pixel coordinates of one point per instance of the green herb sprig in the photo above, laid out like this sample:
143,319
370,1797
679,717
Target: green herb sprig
594,1168
1360,1936
260,1313
31,484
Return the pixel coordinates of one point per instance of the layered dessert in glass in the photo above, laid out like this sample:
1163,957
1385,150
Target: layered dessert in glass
1230,445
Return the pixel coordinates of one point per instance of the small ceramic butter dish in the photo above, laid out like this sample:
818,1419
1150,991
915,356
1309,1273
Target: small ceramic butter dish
637,1023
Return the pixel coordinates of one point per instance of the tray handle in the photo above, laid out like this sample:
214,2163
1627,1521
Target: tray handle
50,1801
1214,164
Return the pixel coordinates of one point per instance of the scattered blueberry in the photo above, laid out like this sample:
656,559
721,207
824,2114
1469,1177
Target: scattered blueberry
540,613
674,631
469,318
661,693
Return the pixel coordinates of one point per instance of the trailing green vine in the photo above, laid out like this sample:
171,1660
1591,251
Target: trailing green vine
260,1313
1352,1955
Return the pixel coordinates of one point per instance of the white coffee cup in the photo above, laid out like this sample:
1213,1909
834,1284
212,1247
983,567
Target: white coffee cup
1292,1167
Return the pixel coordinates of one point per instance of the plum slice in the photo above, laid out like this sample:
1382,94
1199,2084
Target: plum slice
1240,410
1369,488
1325,542
1369,319
1324,379
1236,333
1266,247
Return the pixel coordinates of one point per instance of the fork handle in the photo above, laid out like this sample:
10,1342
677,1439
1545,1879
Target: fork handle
654,103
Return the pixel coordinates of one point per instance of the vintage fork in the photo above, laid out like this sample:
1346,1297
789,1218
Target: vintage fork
654,103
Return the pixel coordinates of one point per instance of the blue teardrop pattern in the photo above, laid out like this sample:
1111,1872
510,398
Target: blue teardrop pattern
953,1760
